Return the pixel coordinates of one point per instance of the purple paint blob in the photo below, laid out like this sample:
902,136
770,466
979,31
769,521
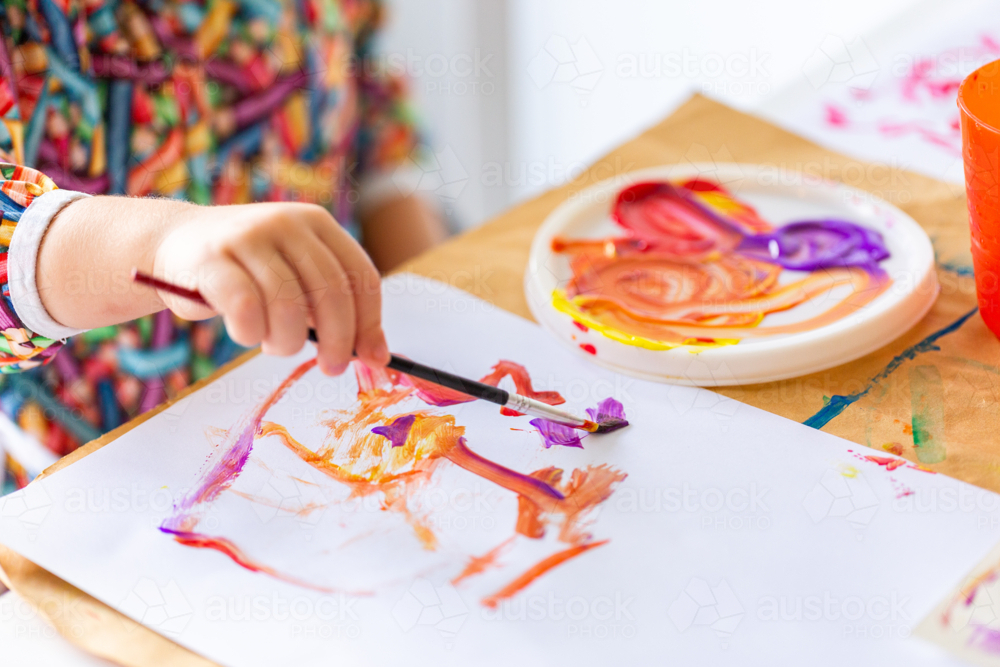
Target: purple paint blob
607,410
811,245
554,433
398,431
985,639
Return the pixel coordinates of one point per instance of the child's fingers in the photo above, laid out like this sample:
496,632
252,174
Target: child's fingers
232,292
369,340
331,303
283,299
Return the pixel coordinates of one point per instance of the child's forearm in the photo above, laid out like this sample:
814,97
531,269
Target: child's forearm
271,270
87,255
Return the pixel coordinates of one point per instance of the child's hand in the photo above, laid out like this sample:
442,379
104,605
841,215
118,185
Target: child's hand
272,270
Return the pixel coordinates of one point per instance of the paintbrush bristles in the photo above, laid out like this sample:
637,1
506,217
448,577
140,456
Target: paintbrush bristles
610,425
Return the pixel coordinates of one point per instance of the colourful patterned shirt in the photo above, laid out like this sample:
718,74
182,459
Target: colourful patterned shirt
218,102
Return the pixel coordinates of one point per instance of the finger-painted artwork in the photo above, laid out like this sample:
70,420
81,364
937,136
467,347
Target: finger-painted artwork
385,454
693,265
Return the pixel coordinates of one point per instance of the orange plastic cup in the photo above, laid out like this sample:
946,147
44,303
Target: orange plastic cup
979,102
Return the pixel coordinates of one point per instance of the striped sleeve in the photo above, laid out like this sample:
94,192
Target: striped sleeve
20,348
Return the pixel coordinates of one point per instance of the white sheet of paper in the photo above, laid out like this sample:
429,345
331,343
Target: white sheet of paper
737,535
892,94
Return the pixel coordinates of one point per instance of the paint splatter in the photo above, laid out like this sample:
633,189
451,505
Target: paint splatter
927,407
588,348
838,404
893,448
886,462
698,267
836,116
398,431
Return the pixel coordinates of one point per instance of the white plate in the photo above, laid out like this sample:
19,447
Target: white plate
780,197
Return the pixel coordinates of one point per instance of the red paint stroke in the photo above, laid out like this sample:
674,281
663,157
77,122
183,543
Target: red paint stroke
537,570
224,546
582,327
588,348
889,463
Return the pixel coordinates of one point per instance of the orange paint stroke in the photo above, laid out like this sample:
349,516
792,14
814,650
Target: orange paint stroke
479,564
537,570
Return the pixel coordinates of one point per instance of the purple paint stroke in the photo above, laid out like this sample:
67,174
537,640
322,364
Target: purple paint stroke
554,433
811,245
498,470
219,478
607,410
398,431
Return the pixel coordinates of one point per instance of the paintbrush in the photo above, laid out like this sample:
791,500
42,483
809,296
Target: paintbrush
473,388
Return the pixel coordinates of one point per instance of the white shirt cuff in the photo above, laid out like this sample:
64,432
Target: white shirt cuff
22,259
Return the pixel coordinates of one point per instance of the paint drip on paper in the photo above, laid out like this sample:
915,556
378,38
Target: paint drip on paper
381,450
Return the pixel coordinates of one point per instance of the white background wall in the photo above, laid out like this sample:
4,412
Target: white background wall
522,121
